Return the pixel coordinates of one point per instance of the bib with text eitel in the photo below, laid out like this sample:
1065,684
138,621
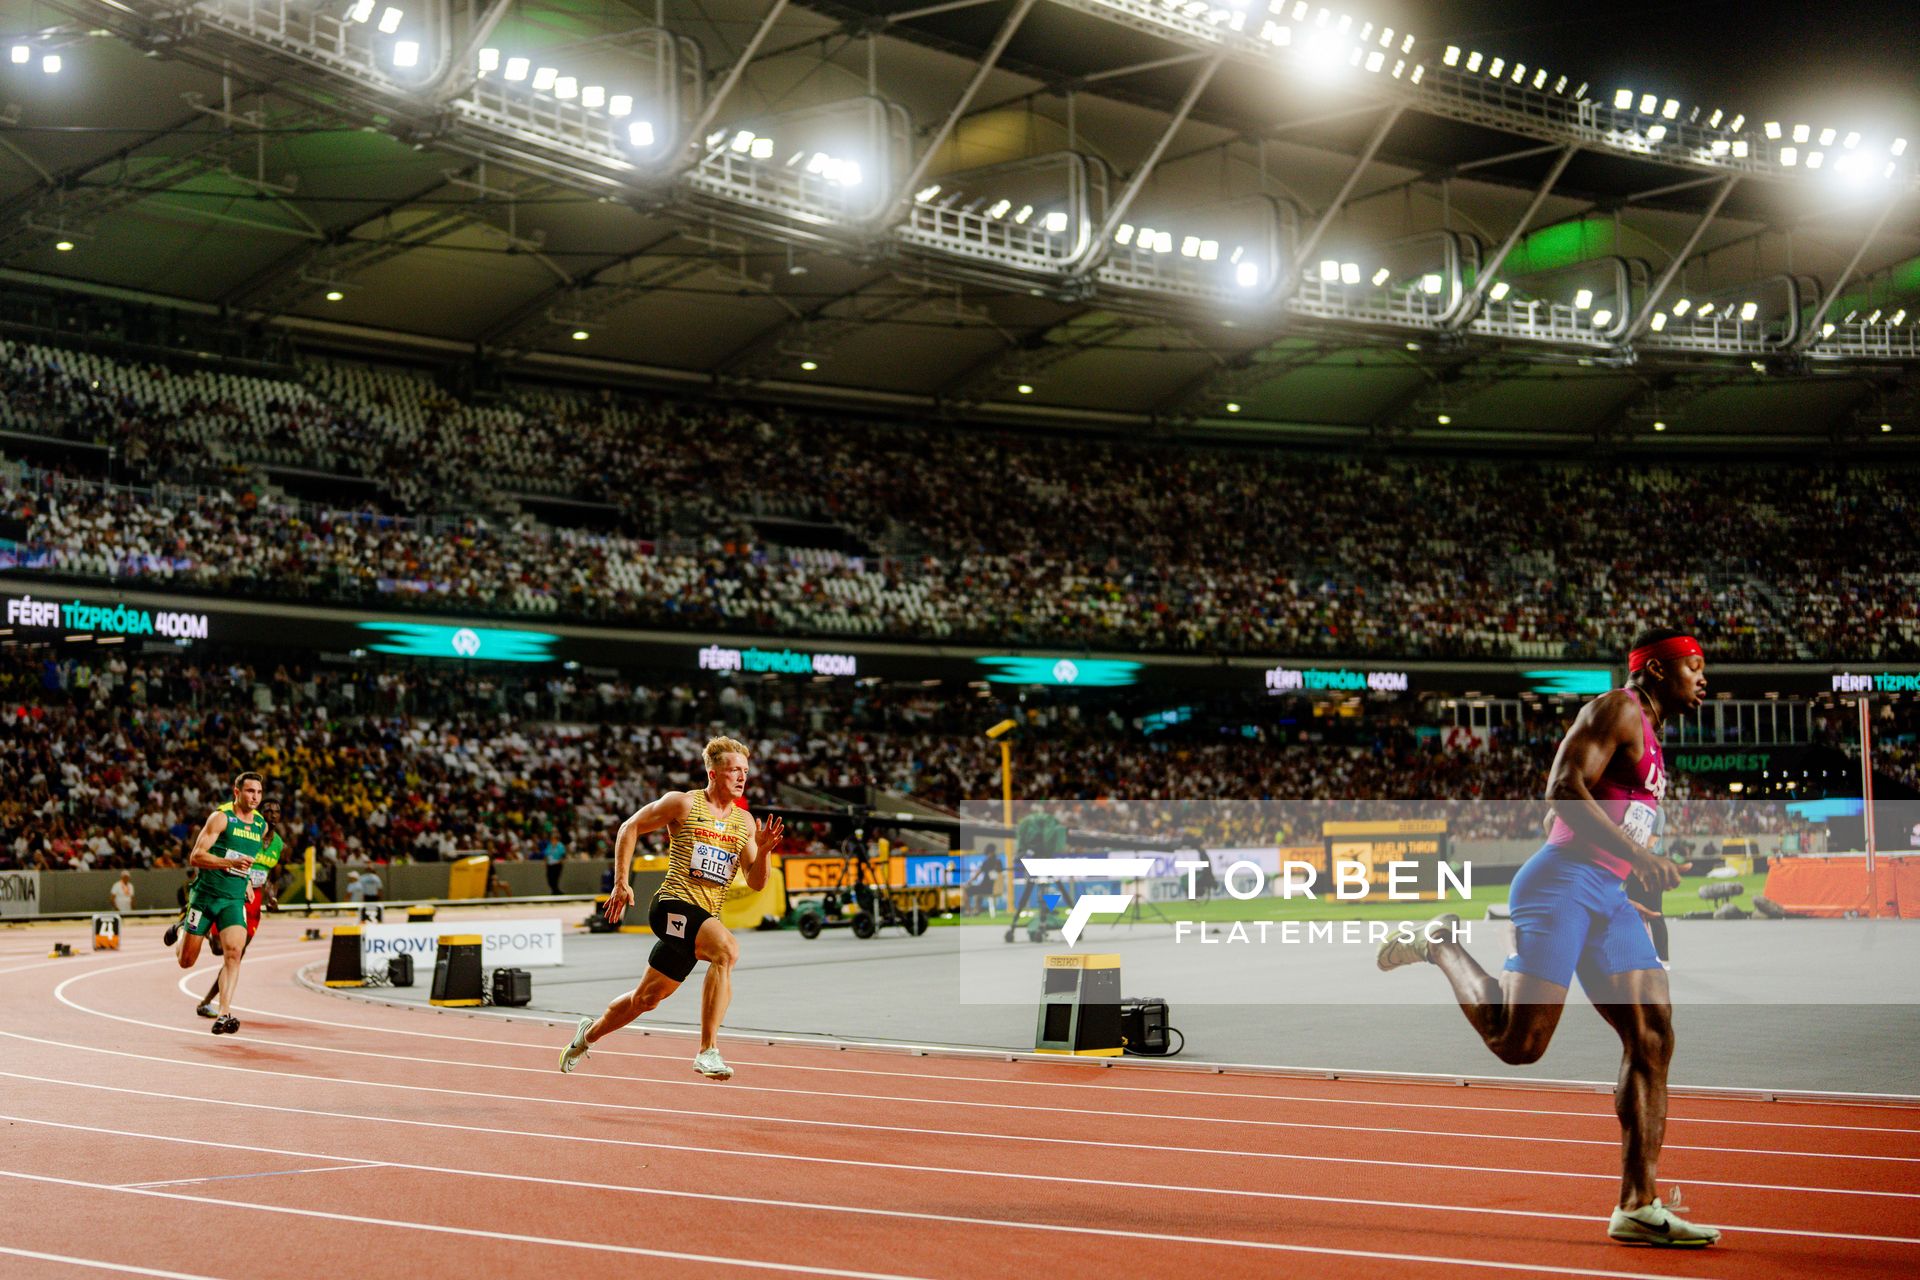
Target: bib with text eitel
711,862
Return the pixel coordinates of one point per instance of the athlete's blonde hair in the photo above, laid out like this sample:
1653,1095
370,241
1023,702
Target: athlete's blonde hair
719,747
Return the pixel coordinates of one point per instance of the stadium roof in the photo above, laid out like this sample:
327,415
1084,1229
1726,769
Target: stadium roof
1339,253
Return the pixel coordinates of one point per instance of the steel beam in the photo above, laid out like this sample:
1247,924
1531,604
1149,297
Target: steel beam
1312,242
1469,306
1812,335
988,60
698,132
1659,288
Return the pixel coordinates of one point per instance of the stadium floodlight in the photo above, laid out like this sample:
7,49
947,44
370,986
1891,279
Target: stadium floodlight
1740,148
566,87
640,133
1430,283
1748,310
1789,156
594,96
1670,108
543,78
1656,134
1850,316
489,60
1025,388
581,335
1190,247
1233,406
1648,101
998,209
1659,321
1773,129
361,11
1330,270
1899,317
1852,140
1124,236
1026,211
63,246
21,54
1720,147
1055,222
1713,121
1827,136
1495,67
1452,56
1623,99
1826,330
1899,146
1376,60
1209,251
517,68
1736,123
334,295
1602,318
1349,273
1706,309
51,64
1420,69
1680,307
1583,299
809,365
1473,62
1814,158
1801,133
1888,171
1399,66
1540,78
1886,427
1500,290
1875,317
762,149
1246,275
406,53
1659,426
390,19
1381,276
1444,419
620,105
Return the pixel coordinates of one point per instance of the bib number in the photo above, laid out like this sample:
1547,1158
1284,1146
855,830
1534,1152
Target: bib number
711,862
1637,822
193,918
257,878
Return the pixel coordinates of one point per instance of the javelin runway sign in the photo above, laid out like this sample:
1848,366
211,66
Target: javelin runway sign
1089,869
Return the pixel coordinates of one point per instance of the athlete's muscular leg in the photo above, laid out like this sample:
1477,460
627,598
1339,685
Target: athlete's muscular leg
1637,1006
233,944
1516,1015
715,945
188,949
654,987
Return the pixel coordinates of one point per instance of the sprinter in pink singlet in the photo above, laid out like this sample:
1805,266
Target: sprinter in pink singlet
1571,915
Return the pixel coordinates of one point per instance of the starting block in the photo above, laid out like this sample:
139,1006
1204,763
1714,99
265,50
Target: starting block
313,935
60,949
106,931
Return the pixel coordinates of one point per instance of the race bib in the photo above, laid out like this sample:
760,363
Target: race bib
676,926
711,862
193,918
1637,822
257,877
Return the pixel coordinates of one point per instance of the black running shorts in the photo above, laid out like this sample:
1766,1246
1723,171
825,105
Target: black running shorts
676,924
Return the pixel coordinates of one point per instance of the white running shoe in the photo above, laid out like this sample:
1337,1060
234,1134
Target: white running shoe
1397,951
577,1048
708,1064
1659,1224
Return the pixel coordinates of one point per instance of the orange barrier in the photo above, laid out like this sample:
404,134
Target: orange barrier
1836,886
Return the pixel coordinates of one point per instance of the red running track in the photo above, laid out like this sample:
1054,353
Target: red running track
333,1135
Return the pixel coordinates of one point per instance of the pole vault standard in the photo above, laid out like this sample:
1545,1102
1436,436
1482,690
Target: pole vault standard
1866,810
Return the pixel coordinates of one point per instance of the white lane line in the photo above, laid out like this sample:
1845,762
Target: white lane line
1424,1166
60,994
1420,1206
231,1177
1265,1246
1044,1084
121,1268
477,1233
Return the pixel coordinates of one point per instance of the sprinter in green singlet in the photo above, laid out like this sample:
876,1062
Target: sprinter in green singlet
711,837
224,853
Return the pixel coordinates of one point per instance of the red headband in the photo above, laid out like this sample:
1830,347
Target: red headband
1666,651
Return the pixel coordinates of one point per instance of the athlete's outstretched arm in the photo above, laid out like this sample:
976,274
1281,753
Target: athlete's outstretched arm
669,808
1604,725
766,838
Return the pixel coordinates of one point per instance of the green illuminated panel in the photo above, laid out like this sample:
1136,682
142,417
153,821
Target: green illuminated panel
466,644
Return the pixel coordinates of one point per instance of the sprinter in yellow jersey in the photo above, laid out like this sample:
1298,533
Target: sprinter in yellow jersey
711,837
